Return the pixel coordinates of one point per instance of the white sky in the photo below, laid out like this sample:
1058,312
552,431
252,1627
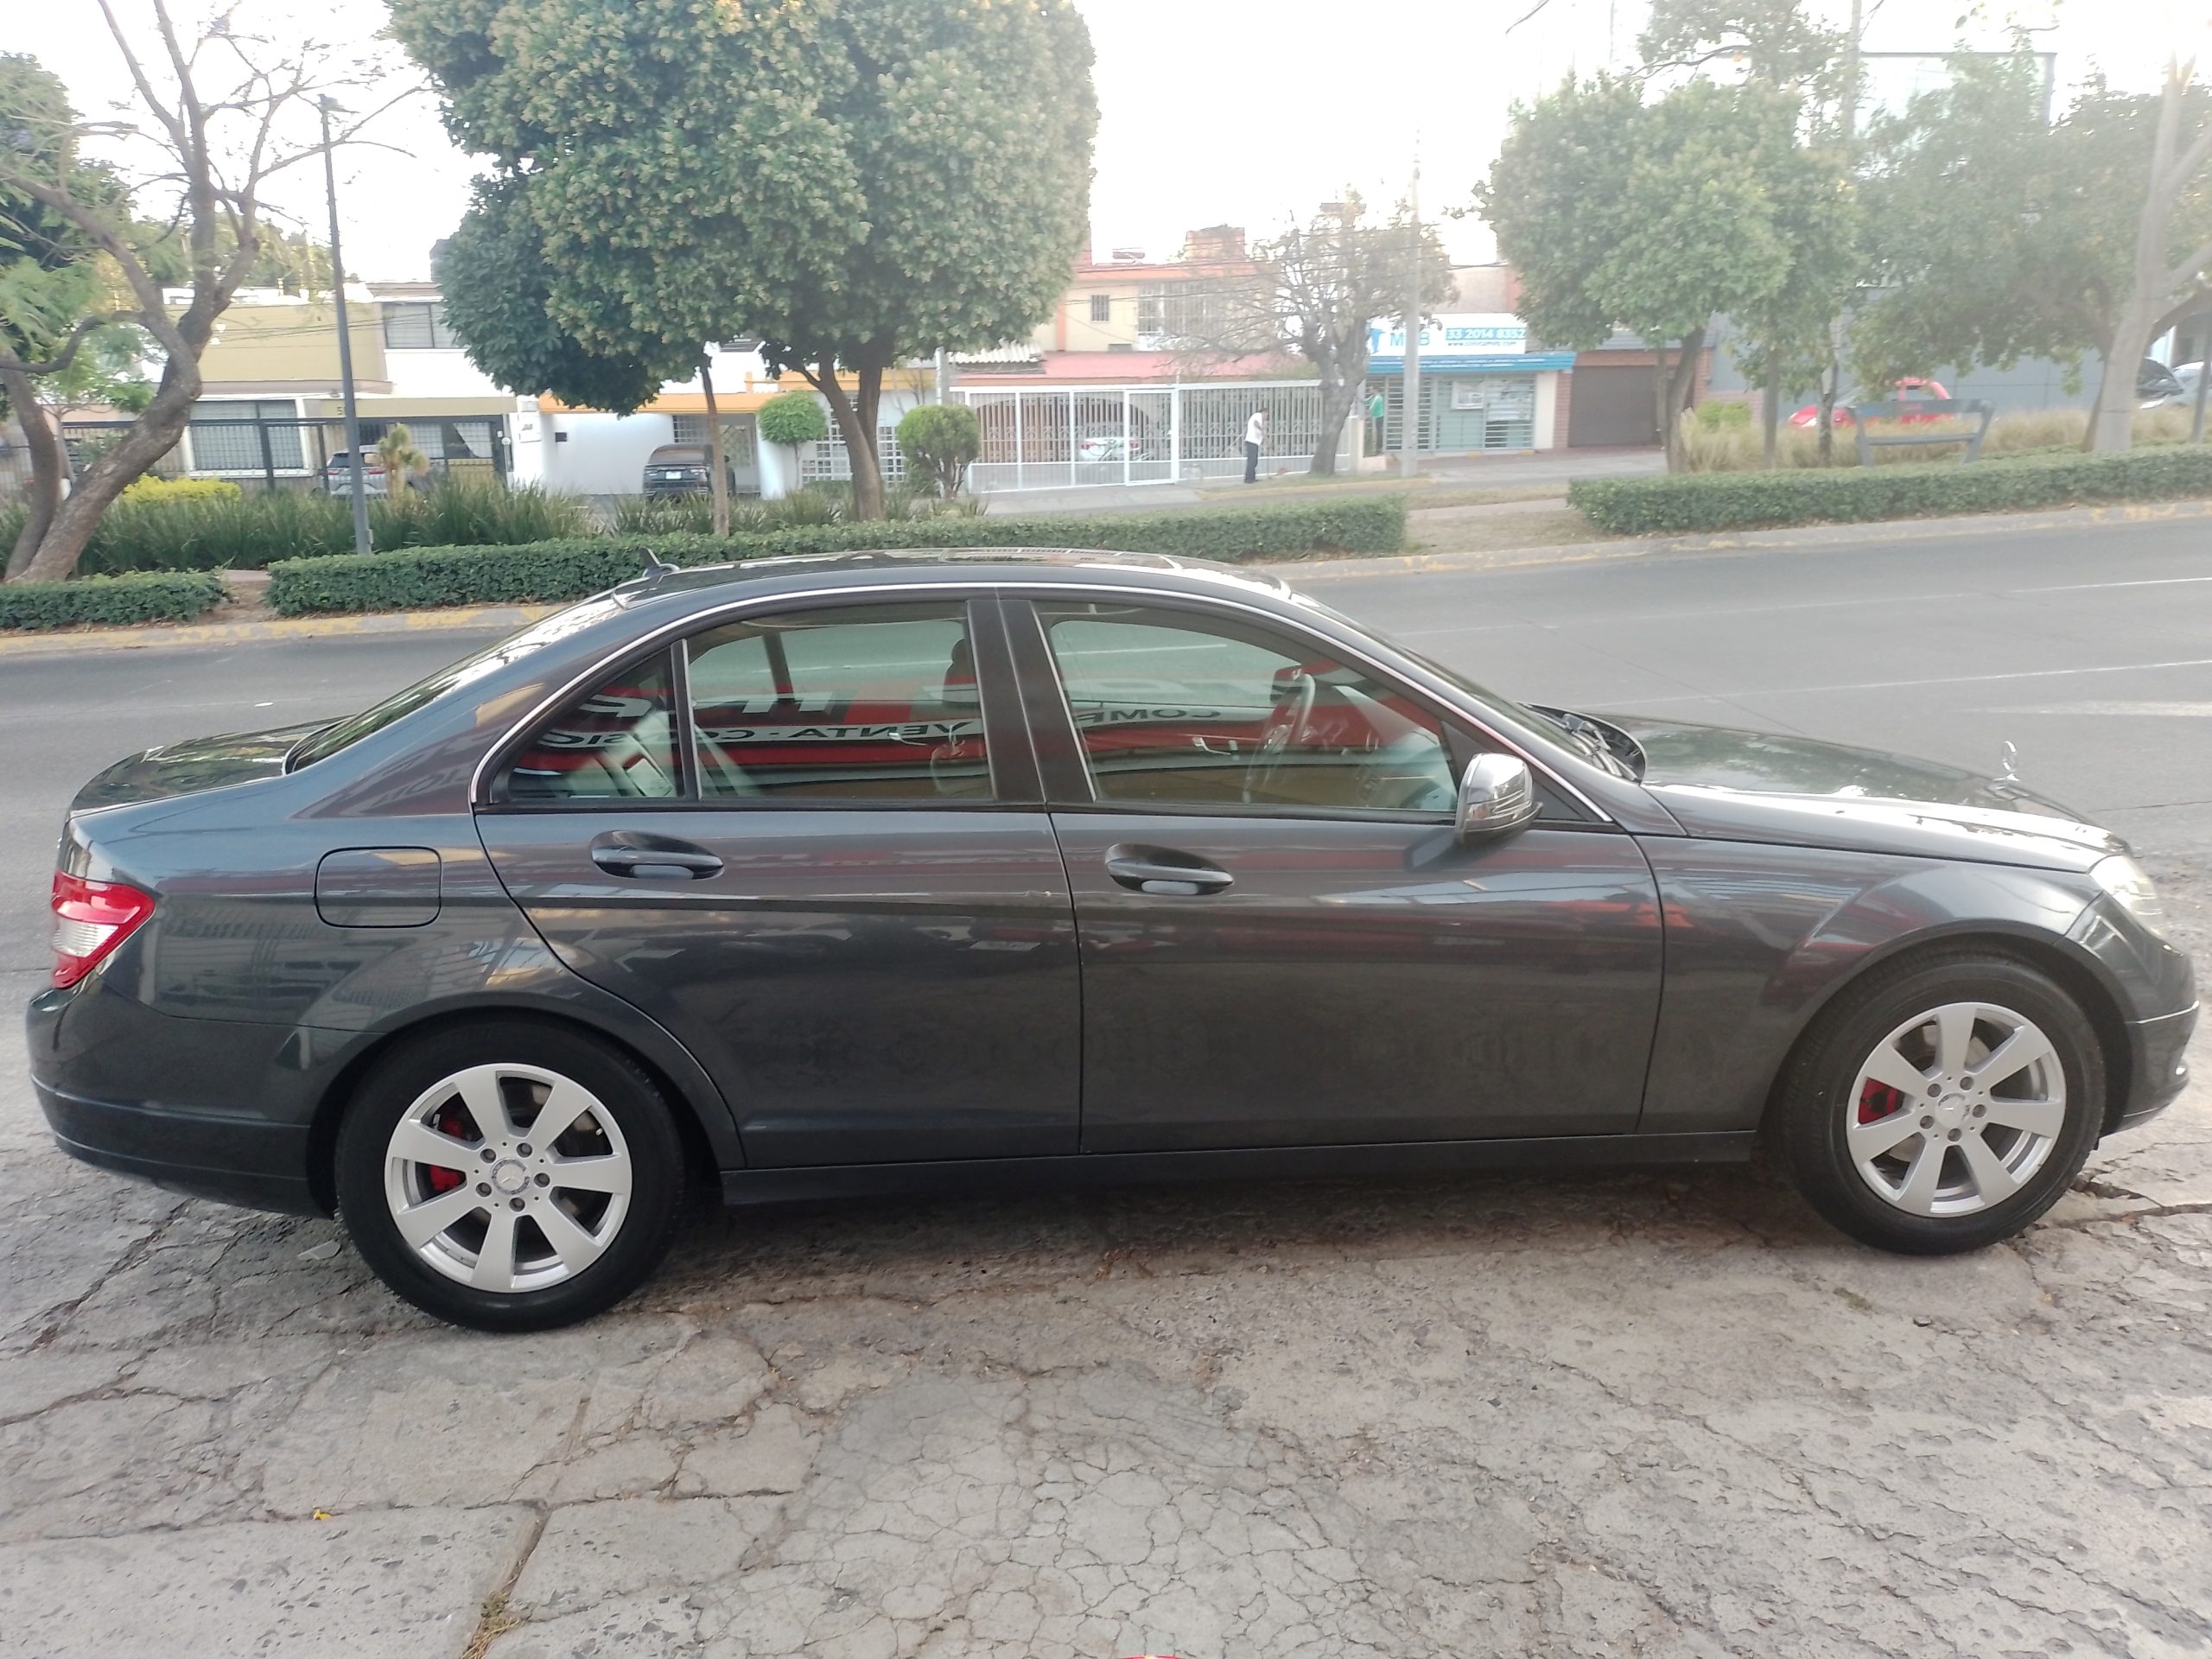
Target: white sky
1237,111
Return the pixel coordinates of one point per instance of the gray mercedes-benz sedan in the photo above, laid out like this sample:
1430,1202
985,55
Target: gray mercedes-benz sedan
889,871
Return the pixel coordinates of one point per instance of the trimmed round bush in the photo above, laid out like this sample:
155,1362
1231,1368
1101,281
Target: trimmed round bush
793,418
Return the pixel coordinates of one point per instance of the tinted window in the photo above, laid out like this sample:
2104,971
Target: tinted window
618,742
863,703
1173,707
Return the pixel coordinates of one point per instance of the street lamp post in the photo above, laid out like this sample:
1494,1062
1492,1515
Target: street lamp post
344,344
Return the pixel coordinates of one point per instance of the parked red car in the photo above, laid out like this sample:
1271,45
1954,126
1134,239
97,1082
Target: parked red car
1905,391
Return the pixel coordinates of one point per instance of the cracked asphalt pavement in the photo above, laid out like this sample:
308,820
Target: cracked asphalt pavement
1653,1414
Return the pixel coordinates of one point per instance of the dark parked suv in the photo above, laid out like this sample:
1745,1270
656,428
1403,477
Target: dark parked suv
880,872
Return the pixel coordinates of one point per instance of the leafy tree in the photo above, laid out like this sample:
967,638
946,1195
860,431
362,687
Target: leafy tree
1317,289
224,114
1653,217
853,183
792,417
2001,234
941,442
1773,45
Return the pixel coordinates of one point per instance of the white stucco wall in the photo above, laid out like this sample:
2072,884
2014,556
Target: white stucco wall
602,454
436,374
1546,409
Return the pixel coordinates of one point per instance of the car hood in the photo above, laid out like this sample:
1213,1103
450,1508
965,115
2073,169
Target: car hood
1728,784
194,765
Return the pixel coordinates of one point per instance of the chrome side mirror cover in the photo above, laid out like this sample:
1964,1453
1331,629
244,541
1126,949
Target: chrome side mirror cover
1497,797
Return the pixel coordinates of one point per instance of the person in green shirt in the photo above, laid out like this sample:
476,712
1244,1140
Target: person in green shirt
1375,422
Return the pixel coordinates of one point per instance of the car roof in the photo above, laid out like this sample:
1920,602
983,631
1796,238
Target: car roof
893,567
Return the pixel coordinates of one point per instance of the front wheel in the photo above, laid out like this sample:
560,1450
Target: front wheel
1943,1104
508,1175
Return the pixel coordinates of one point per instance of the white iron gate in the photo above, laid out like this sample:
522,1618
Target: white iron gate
1054,440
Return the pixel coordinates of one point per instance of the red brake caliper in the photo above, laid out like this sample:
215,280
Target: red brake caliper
453,1121
1876,1101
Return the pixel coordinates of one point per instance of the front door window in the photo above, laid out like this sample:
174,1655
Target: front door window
1174,708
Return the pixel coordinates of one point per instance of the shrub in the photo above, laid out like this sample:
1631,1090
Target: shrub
1691,502
214,532
1714,415
793,418
939,442
146,596
153,488
568,570
472,512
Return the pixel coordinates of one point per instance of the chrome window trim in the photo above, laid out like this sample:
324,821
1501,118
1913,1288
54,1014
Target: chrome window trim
968,587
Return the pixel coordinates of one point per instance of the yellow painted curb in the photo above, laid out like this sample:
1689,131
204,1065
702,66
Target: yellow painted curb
154,637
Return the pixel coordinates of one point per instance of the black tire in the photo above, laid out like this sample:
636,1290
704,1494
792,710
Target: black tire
1814,1110
641,1237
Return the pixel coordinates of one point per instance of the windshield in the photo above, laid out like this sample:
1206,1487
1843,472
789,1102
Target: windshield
1599,741
322,744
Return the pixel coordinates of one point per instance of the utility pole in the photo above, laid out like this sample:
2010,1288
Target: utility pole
345,345
1832,380
1409,419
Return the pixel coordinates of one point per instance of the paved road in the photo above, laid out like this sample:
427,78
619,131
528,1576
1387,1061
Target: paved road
1630,1414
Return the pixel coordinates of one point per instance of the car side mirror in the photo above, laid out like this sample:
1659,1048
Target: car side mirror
1497,797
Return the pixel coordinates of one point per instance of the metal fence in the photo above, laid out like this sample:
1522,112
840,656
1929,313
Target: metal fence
270,453
1068,437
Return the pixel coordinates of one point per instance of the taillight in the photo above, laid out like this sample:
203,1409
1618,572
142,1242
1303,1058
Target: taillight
89,920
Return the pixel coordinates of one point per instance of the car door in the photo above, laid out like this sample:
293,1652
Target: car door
1283,942
811,844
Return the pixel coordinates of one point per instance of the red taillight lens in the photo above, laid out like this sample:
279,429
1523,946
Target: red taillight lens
89,920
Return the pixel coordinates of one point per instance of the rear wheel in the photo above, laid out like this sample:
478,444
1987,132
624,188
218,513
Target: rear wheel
508,1175
1943,1104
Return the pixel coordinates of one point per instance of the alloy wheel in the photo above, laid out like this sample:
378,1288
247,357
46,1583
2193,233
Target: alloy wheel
507,1178
1956,1109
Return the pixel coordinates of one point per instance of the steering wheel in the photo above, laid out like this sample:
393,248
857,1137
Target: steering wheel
1286,730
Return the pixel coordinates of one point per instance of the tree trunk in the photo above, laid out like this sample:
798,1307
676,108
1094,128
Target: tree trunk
49,466
2112,426
153,435
868,402
718,475
1336,410
1770,413
1677,385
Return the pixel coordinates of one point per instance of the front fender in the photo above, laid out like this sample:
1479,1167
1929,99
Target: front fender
1759,939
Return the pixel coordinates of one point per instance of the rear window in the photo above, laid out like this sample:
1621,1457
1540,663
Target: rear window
340,735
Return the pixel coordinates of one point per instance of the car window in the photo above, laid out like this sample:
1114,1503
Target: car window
1175,707
872,702
617,741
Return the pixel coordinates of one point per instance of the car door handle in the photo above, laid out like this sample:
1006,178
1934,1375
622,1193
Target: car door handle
653,858
1157,870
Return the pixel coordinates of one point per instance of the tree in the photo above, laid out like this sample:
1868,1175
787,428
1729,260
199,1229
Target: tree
792,417
1772,44
2161,286
224,114
2001,234
941,442
397,453
1317,289
1654,217
854,184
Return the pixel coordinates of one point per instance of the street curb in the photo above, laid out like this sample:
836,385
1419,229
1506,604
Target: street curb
1808,536
481,617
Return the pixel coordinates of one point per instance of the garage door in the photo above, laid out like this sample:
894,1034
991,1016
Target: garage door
1613,405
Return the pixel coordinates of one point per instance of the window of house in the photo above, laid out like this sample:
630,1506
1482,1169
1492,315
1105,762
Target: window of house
828,459
1102,308
1176,708
618,742
228,435
875,703
415,326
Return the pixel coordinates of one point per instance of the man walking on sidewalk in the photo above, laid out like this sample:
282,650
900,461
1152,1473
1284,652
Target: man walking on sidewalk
1255,438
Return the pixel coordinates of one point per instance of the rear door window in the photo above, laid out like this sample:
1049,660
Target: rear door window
617,741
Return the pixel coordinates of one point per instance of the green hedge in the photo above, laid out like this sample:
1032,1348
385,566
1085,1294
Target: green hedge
545,571
147,596
1689,502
